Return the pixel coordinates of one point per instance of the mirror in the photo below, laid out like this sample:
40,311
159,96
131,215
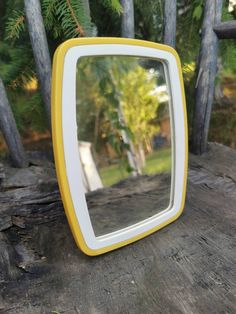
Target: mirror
119,139
124,136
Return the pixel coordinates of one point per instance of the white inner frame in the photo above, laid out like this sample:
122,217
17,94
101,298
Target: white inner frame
70,140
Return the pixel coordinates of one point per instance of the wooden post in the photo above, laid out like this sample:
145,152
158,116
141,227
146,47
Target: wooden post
226,30
90,175
10,132
87,8
91,30
127,30
40,50
207,69
127,22
132,158
170,22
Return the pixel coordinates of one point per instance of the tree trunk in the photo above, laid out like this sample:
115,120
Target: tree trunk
10,132
86,7
127,31
40,50
170,23
131,156
91,31
141,156
207,69
226,30
127,22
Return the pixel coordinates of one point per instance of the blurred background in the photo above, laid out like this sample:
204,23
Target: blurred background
17,66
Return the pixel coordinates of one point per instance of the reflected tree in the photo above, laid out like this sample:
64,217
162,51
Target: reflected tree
140,108
106,85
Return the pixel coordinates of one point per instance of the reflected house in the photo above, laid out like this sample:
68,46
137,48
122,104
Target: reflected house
90,175
165,128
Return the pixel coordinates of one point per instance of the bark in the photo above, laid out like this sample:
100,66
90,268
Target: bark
131,156
226,30
39,45
170,22
141,155
127,22
207,70
192,259
91,31
10,132
127,30
86,7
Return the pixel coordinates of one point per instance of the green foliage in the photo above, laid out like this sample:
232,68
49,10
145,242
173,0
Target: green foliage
148,19
117,95
62,19
50,21
226,15
189,22
16,57
98,104
15,25
223,126
228,57
106,18
113,5
139,105
28,111
71,15
16,65
198,11
157,162
227,47
70,18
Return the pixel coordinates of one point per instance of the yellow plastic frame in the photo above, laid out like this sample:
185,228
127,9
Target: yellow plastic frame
56,113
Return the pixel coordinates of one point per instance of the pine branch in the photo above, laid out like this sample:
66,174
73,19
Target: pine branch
79,27
49,10
15,25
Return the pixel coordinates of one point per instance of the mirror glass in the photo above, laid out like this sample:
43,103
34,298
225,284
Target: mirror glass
124,139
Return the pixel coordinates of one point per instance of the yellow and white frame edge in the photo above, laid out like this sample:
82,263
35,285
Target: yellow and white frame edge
64,133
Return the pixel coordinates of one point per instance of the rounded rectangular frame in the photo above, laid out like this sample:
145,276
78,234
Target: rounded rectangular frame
64,133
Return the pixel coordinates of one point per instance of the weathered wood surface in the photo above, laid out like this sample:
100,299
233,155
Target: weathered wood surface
170,7
2,172
207,69
127,19
226,30
10,132
39,45
187,267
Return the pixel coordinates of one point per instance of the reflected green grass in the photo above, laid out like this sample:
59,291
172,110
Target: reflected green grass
157,162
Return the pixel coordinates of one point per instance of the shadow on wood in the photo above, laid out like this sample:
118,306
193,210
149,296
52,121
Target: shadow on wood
187,267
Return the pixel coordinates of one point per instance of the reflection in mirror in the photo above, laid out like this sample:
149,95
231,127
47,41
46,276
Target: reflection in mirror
124,138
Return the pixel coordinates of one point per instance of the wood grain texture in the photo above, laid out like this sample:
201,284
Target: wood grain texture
207,69
10,132
187,267
2,172
127,19
39,45
226,30
170,22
